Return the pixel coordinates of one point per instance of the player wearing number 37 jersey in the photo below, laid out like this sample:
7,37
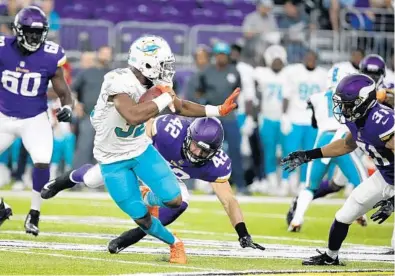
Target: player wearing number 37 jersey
193,150
27,63
371,127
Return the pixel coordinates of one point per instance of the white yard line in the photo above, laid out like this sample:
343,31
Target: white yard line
273,251
197,198
189,242
112,260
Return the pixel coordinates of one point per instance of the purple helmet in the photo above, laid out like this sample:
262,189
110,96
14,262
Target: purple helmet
374,67
354,96
31,28
205,137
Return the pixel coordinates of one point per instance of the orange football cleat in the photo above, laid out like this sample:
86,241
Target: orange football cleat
153,210
177,253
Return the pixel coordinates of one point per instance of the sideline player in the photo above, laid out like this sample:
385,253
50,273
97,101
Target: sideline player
181,142
124,150
272,81
372,129
304,80
329,129
28,63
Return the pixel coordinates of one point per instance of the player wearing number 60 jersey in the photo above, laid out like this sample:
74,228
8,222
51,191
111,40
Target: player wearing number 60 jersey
193,150
371,128
27,63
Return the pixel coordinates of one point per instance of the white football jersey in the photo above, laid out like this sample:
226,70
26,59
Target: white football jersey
247,93
302,83
345,66
271,85
323,111
115,140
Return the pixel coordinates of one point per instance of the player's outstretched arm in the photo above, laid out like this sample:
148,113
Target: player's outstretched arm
191,109
232,208
63,91
334,149
136,114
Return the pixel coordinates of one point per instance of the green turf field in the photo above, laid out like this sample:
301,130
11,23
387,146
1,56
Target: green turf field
76,227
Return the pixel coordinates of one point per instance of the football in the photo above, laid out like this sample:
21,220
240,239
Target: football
150,94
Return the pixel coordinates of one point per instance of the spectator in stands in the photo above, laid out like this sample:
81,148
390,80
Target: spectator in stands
87,85
202,60
215,83
261,21
87,60
10,10
53,18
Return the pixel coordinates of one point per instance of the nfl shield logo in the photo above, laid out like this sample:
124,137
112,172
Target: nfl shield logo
22,64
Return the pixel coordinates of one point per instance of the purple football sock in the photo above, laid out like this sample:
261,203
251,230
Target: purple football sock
337,234
77,176
40,178
168,215
323,190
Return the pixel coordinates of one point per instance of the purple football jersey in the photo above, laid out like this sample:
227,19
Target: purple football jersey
171,131
372,137
24,78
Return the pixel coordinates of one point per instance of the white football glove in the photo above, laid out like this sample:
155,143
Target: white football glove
248,126
286,125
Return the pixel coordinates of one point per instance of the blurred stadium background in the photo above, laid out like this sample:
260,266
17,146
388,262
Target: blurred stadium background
97,34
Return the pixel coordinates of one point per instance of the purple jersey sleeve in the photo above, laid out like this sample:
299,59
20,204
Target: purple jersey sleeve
381,125
56,54
219,168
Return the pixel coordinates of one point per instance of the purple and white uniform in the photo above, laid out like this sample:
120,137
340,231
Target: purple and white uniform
23,96
372,137
171,131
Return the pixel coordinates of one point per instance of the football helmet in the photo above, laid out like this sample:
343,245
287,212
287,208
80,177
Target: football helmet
152,56
374,67
205,135
274,52
30,28
354,96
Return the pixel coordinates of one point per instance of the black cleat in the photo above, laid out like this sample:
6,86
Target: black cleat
31,222
322,259
5,212
126,239
53,187
291,211
389,252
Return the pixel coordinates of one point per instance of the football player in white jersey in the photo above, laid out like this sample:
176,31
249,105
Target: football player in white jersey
329,129
304,80
121,146
272,81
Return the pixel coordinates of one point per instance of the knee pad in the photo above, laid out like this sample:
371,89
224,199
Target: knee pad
135,209
345,216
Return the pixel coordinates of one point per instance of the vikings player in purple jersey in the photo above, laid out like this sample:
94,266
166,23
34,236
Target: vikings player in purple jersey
27,63
193,150
374,67
371,128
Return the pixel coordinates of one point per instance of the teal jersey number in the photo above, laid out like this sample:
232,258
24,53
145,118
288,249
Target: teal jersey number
328,96
275,90
306,90
135,131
